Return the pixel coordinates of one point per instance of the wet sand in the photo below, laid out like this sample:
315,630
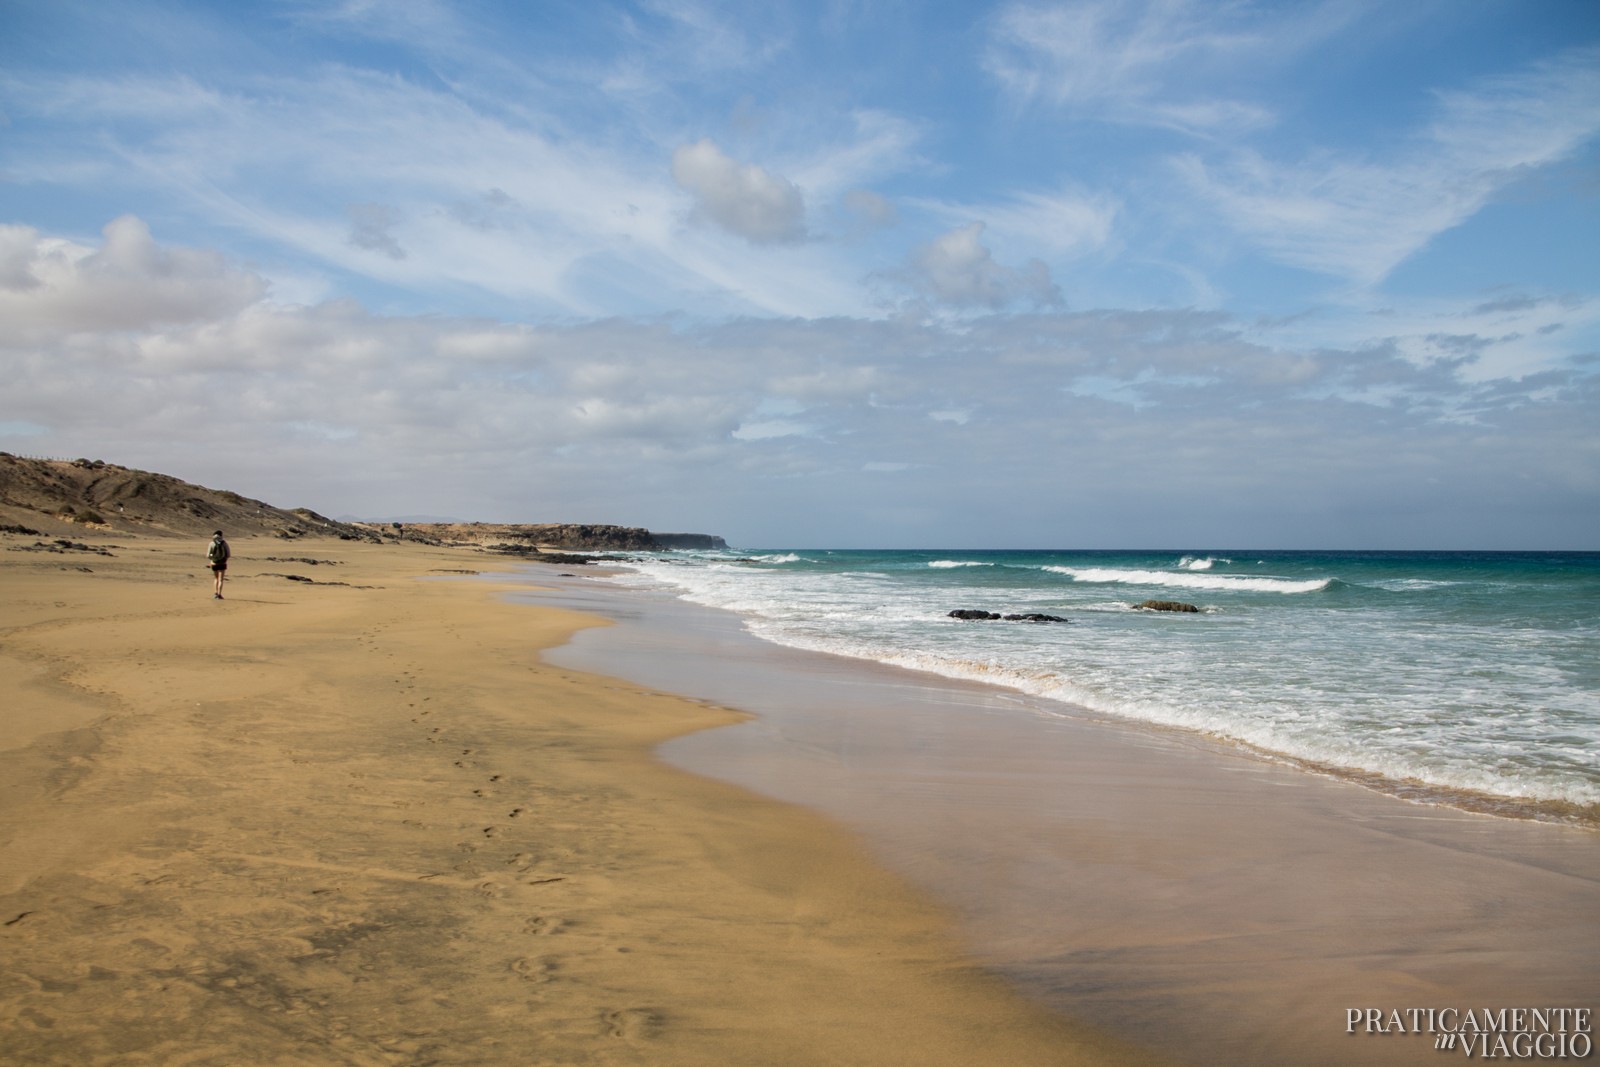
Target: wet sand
365,823
1176,890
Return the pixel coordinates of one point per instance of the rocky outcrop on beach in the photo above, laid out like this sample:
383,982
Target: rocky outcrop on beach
536,554
1164,605
975,615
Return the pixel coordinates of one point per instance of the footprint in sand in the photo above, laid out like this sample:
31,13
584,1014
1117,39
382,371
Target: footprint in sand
631,1023
533,969
543,926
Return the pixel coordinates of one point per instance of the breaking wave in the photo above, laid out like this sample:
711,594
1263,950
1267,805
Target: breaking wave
1194,580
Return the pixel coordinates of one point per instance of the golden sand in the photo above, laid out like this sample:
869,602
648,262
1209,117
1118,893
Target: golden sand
367,824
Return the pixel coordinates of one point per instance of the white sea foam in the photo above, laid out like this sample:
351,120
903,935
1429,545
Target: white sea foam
949,563
1409,585
1293,737
1201,563
786,557
1456,702
1192,580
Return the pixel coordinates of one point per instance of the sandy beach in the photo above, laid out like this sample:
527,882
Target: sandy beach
358,820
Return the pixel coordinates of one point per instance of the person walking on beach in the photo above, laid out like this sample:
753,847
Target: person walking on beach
217,554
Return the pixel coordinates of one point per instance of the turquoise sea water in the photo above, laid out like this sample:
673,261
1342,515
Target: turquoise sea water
1471,678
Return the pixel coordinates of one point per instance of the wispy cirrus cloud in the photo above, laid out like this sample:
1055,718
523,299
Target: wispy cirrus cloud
1358,219
390,180
1161,63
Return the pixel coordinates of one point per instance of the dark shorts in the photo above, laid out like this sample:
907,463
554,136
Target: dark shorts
219,567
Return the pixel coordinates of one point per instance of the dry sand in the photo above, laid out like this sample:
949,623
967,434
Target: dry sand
367,824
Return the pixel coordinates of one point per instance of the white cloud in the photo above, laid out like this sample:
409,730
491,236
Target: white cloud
743,199
956,268
50,285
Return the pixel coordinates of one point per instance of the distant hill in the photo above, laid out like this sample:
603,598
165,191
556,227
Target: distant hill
59,498
559,535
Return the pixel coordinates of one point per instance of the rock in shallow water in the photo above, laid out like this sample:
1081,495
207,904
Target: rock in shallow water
1164,605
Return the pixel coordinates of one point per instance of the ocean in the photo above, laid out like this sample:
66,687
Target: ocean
1469,679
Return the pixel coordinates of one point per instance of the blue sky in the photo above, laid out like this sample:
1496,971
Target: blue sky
1090,274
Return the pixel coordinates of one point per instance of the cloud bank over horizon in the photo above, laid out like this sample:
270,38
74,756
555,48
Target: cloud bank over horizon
1074,274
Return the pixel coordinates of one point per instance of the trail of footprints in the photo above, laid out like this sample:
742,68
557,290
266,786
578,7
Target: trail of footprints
628,1024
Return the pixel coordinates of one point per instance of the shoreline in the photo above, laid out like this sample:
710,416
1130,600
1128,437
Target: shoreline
365,823
1387,674
1155,881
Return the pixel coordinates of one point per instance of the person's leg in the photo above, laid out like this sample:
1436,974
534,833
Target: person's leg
219,572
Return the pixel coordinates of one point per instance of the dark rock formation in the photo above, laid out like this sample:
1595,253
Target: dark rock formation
1164,605
972,614
535,554
1034,616
61,544
308,581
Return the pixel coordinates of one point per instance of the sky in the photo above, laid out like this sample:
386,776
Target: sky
828,273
